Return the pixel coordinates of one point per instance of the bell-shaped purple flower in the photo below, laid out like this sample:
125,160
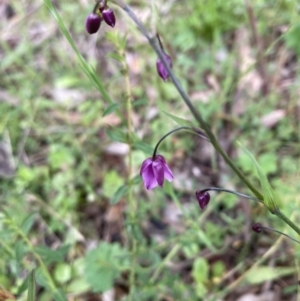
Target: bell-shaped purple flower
154,172
109,16
256,227
203,198
162,71
92,23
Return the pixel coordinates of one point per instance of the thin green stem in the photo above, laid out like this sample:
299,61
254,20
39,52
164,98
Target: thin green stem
194,130
279,214
168,258
132,205
281,233
232,192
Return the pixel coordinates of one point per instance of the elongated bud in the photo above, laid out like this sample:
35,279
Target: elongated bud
161,70
203,198
109,16
93,22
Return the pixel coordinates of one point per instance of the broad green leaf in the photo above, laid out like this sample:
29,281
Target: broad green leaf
62,272
269,198
179,120
103,265
31,287
121,191
110,109
200,270
262,274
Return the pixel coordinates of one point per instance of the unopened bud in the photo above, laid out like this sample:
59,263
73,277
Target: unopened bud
203,198
256,227
109,16
162,71
92,23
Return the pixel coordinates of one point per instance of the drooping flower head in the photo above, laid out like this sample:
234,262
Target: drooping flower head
155,171
203,198
92,23
161,70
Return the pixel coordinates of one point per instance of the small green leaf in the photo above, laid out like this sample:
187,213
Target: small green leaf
123,41
200,270
20,250
136,180
111,181
269,199
28,222
62,273
115,56
121,191
179,120
262,274
110,109
144,147
50,256
116,135
58,295
31,287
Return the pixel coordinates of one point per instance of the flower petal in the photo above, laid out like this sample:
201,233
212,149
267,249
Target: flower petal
149,178
168,173
158,170
145,164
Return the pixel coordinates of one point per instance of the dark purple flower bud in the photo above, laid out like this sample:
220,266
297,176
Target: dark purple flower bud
92,23
154,172
162,71
109,16
256,227
202,198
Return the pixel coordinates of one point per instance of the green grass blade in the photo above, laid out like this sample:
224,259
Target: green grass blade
88,70
269,198
31,287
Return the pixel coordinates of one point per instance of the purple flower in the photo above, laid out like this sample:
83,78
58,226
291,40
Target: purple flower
162,71
154,172
109,16
256,227
92,23
202,198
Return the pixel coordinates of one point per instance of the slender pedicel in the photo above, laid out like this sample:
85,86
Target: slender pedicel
231,191
257,227
193,129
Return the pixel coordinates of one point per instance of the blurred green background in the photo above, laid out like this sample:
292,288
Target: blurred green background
64,153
